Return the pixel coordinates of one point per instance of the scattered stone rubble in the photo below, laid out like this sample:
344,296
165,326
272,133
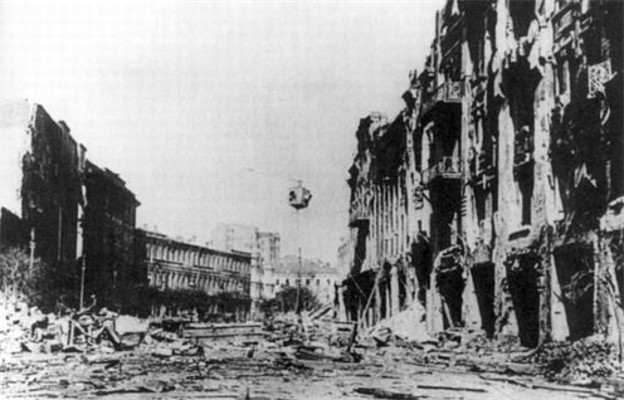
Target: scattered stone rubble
585,361
38,361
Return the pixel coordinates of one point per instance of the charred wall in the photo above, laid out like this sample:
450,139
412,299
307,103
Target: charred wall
51,195
113,274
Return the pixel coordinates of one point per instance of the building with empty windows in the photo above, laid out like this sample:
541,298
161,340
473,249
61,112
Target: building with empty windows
493,200
76,217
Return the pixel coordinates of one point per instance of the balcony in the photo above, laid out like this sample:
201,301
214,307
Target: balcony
448,168
358,217
448,92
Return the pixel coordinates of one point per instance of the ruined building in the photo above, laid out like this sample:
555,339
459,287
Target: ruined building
69,213
494,201
116,275
42,166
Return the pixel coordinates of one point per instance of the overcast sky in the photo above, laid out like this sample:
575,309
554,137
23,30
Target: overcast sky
210,110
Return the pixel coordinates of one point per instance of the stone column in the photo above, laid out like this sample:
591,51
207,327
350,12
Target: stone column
394,290
377,300
543,192
558,319
412,284
388,299
434,308
470,306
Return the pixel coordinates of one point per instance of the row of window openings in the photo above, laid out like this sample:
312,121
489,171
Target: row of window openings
185,280
192,258
307,282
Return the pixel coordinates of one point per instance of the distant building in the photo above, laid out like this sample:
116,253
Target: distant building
269,245
345,255
315,275
264,246
174,264
239,237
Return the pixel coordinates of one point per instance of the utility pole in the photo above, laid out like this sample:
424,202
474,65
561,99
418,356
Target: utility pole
82,281
299,198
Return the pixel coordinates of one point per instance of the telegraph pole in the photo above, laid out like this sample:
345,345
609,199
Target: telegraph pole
299,198
299,262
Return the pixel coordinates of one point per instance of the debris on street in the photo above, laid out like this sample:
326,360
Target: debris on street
220,360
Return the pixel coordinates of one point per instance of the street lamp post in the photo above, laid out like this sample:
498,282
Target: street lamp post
299,198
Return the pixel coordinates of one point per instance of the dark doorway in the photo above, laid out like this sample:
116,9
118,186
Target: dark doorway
575,270
483,280
451,286
522,277
360,249
383,306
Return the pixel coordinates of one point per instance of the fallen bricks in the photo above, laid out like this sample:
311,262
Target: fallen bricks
286,352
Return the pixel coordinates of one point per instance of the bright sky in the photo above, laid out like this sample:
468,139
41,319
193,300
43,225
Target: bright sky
210,110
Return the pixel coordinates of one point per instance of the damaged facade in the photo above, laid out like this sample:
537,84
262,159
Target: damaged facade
493,201
80,221
65,210
115,273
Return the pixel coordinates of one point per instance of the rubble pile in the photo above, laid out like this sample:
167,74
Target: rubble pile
581,362
479,343
89,353
24,328
27,329
312,337
408,324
